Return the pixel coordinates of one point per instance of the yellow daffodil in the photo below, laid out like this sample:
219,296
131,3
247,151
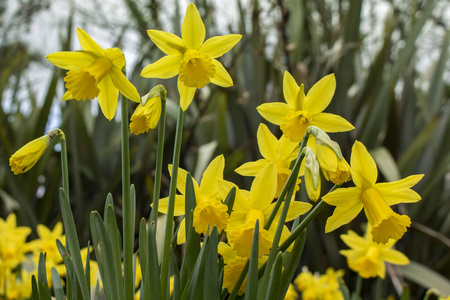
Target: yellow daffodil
146,117
368,258
291,293
310,169
375,198
13,245
319,287
95,72
281,152
257,204
209,210
191,57
301,111
27,156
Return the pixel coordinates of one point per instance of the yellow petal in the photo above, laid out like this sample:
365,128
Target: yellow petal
264,188
167,42
252,168
394,257
165,67
267,143
88,44
71,60
290,91
181,234
213,173
354,241
332,123
67,96
320,95
121,82
108,97
342,215
296,209
115,55
181,180
221,76
192,28
218,45
274,112
343,197
186,94
364,169
400,191
227,252
179,205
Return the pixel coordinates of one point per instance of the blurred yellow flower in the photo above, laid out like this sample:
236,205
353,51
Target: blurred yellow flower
368,258
95,72
281,152
209,210
191,57
301,111
257,204
319,287
375,198
291,293
27,156
146,117
13,245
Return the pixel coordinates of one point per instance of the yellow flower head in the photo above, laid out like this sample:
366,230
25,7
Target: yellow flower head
191,57
47,244
13,246
375,198
300,111
27,156
209,210
319,287
95,72
281,152
146,117
368,258
257,204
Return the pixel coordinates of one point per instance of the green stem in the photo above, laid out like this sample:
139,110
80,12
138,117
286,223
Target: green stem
64,164
159,160
128,210
171,204
379,288
358,288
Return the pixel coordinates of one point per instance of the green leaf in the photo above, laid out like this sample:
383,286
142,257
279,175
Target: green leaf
44,291
426,277
211,280
273,290
34,289
57,286
251,291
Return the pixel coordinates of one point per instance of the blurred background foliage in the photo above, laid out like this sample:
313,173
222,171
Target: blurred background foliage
391,64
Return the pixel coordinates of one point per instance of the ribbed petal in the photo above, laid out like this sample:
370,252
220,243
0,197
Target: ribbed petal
274,112
108,97
192,28
332,123
167,42
186,94
364,169
264,188
400,191
179,205
219,45
252,168
71,60
394,257
125,87
221,77
165,67
209,185
343,197
290,91
88,44
320,95
342,215
115,55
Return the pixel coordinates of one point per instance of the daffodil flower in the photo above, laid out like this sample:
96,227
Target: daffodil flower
190,57
316,286
209,210
13,242
368,258
95,72
300,111
27,156
257,204
375,198
146,116
281,152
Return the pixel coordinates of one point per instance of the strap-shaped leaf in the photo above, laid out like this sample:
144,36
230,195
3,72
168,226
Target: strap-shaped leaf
211,280
57,286
44,291
251,292
273,291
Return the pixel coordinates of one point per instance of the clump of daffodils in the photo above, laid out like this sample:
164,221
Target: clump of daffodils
319,287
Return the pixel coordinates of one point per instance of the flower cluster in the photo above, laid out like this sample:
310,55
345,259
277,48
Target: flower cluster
319,287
